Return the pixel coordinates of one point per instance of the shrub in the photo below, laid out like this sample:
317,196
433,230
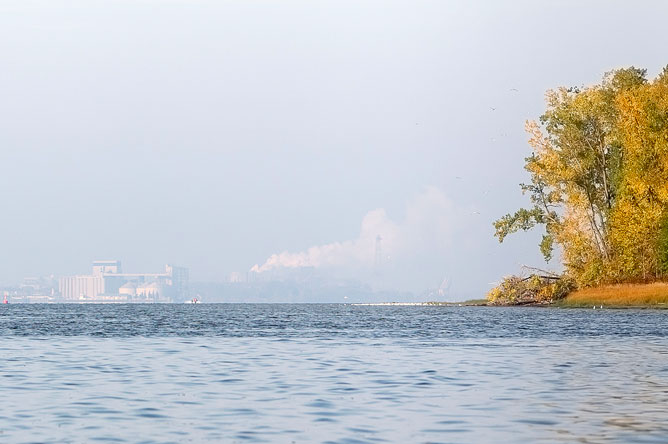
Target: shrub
533,289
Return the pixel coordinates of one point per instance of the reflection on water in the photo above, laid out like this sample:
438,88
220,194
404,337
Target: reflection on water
331,374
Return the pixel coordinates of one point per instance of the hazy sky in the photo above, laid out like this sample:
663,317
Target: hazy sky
215,134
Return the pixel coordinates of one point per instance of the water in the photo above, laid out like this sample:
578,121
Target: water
331,374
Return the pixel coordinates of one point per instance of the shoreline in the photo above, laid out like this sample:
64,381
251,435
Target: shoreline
470,303
652,296
556,305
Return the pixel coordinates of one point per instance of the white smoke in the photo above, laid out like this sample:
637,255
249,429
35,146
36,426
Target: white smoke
426,227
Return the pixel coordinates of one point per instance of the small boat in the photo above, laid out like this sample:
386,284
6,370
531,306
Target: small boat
193,301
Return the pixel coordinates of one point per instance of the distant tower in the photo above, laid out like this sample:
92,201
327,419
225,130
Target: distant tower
378,259
444,288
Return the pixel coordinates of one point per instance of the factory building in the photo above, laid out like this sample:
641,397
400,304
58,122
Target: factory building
108,283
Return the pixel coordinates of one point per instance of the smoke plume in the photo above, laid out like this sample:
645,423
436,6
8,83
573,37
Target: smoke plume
424,232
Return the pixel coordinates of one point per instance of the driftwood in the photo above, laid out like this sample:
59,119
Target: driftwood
548,278
535,289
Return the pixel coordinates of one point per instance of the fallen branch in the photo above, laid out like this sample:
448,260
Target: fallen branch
546,273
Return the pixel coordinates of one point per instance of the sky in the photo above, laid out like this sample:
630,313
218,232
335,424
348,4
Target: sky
236,135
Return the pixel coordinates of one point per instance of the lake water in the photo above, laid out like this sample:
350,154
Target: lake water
331,374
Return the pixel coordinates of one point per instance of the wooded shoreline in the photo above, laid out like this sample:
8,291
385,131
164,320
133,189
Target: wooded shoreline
599,189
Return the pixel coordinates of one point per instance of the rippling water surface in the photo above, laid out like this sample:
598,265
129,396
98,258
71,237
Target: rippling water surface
331,374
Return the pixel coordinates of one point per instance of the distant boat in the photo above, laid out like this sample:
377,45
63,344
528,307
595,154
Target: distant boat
193,301
5,301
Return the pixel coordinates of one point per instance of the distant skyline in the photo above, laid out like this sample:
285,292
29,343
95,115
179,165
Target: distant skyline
220,135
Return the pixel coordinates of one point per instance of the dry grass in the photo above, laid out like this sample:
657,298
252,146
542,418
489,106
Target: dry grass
628,295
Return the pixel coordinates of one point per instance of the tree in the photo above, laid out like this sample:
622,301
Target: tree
640,218
578,170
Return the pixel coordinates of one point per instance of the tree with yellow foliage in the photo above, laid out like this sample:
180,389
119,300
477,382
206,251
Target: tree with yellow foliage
640,217
599,179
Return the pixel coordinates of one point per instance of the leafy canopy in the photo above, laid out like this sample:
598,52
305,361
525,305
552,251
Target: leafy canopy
599,179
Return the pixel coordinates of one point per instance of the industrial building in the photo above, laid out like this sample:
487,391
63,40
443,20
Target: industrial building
108,283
